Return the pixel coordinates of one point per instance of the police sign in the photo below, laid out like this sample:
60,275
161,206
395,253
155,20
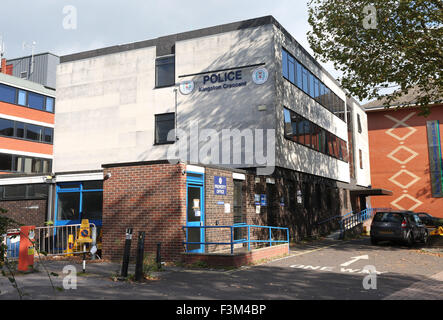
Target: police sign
220,186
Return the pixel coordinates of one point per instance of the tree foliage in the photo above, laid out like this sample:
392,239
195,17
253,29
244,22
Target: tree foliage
382,44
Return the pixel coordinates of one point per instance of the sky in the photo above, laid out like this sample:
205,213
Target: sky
102,23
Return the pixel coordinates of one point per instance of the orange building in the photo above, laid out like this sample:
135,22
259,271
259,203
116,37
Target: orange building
26,125
406,158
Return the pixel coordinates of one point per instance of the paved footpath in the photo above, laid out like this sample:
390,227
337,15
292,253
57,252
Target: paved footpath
327,269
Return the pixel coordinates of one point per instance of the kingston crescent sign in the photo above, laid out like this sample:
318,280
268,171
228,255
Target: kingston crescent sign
224,80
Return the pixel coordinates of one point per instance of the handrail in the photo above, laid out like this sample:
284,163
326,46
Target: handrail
233,242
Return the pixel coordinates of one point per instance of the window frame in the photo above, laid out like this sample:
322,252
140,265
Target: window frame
157,64
158,143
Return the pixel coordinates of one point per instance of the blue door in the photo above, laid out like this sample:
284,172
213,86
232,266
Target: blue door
195,216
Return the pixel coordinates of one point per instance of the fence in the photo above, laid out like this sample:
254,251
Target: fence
271,238
50,240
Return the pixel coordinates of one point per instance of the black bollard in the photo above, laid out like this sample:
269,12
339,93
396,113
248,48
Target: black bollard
159,257
126,253
140,254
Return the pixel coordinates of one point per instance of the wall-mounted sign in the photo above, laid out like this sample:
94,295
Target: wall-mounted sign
435,158
260,75
257,199
220,186
187,87
227,208
263,200
220,80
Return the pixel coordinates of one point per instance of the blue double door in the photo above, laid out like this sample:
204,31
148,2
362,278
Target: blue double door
195,215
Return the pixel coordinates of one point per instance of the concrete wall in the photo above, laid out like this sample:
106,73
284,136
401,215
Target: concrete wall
106,104
362,176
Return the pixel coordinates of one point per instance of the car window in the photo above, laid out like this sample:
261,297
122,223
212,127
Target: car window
417,219
388,217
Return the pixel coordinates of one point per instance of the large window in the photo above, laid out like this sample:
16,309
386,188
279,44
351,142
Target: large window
307,133
80,200
16,129
17,163
26,98
305,80
164,123
24,192
165,71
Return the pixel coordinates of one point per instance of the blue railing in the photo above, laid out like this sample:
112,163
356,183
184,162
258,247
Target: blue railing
247,240
355,219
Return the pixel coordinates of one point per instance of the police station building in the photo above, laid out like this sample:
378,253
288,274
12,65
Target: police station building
227,125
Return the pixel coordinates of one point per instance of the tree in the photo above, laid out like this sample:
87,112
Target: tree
382,44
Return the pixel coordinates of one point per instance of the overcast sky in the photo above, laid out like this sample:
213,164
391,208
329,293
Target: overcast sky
102,23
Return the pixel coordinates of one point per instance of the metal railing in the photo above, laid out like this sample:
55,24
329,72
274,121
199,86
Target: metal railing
248,240
50,240
355,219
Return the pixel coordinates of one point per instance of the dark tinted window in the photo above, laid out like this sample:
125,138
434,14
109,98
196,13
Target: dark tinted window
49,132
388,217
15,192
164,123
7,94
5,162
92,185
19,129
33,132
6,127
165,71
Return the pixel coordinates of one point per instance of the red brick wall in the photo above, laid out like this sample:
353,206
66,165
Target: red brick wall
384,169
26,212
150,198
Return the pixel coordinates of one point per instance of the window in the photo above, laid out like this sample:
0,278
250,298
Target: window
19,129
284,62
36,101
311,85
299,75
49,104
307,133
165,71
30,191
5,162
22,98
7,94
305,80
6,127
48,135
34,132
164,123
291,69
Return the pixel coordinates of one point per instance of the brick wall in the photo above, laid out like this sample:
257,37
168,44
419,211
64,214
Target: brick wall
150,198
26,212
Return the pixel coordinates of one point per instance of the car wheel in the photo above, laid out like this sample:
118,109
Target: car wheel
374,241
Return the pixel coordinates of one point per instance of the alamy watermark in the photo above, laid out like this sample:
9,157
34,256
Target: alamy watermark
370,281
70,17
70,280
226,147
370,19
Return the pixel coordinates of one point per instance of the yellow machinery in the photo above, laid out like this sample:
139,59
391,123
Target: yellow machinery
437,231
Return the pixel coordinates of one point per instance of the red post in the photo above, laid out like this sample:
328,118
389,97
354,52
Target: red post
26,253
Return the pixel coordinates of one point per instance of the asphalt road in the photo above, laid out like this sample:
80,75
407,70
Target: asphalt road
322,270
